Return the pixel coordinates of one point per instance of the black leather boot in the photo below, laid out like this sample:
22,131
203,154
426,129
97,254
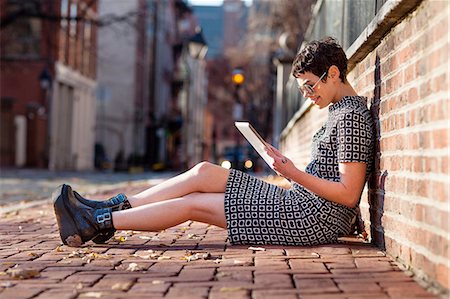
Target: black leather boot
117,203
78,222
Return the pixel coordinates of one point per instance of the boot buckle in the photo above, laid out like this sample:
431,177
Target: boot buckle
103,217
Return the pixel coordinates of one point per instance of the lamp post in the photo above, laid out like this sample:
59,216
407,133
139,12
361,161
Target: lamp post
45,81
197,45
238,79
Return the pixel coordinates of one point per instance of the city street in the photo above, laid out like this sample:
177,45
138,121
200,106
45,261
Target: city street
27,187
192,260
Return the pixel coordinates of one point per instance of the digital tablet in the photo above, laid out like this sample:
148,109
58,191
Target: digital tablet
254,139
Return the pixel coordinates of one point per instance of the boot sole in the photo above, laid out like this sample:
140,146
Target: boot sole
67,228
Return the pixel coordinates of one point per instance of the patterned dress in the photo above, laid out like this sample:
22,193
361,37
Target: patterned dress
260,213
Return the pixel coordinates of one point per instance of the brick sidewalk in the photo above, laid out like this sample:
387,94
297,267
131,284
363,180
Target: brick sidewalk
192,260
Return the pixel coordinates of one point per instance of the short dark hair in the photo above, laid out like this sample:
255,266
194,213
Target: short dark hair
318,56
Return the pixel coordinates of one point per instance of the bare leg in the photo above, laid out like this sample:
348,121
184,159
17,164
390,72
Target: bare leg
204,177
202,207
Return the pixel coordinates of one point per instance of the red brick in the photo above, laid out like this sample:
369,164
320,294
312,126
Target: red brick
188,292
188,274
274,294
273,281
307,267
356,287
322,286
18,292
230,293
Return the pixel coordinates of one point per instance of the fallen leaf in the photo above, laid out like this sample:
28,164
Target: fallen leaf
120,239
219,260
92,294
6,284
257,248
19,273
122,286
33,254
191,258
133,267
59,249
164,257
193,236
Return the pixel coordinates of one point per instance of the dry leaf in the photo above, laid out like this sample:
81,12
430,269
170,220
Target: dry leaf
219,260
122,286
120,239
133,267
257,248
193,236
6,284
33,254
191,258
59,249
19,273
92,294
164,257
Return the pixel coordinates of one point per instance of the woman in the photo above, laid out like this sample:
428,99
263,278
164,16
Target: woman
319,207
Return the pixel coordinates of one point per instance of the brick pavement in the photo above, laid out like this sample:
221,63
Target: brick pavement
192,260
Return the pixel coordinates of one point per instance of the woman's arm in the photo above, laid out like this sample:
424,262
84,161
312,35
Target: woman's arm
346,192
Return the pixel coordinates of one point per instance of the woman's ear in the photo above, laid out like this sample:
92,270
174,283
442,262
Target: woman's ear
334,73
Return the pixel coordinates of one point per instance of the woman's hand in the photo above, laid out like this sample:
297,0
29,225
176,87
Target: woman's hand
281,163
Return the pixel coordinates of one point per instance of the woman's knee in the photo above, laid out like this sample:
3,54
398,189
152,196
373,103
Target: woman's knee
202,167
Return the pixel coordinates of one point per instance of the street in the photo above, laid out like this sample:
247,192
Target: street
191,260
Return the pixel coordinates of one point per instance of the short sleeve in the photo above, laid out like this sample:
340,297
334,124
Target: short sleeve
354,138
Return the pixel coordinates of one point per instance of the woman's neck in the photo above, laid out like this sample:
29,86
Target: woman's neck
344,89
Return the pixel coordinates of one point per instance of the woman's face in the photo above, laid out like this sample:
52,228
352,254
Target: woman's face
312,87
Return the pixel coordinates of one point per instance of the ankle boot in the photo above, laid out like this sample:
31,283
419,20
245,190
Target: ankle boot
117,203
77,222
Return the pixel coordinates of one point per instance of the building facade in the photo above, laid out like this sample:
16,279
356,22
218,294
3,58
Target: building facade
48,75
399,59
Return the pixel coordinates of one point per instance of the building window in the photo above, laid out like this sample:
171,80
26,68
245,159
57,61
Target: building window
63,41
21,39
87,36
73,34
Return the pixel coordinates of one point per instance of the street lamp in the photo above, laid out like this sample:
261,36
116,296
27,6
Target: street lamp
45,79
197,45
238,78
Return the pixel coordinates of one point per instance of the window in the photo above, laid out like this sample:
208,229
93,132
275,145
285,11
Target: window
63,41
21,39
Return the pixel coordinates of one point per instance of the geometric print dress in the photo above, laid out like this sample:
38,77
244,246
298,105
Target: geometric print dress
261,213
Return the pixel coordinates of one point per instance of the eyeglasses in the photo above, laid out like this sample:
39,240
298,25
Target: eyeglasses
308,90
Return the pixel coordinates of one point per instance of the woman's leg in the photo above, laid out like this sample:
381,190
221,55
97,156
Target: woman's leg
204,177
202,207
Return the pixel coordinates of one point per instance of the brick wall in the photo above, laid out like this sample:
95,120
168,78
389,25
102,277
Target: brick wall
406,79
